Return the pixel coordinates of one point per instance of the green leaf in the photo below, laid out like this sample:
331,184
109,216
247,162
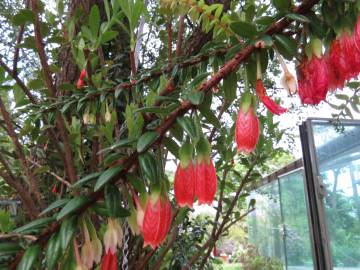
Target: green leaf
9,248
106,176
342,97
265,20
146,140
23,16
149,167
108,35
36,224
113,202
172,146
54,205
136,182
281,5
52,251
230,86
94,20
286,46
121,143
85,180
298,17
244,29
29,258
73,205
196,97
67,230
210,117
188,126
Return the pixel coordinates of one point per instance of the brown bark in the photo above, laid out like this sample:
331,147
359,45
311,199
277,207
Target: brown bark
20,153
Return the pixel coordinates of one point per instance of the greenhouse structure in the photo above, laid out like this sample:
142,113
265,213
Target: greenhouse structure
308,213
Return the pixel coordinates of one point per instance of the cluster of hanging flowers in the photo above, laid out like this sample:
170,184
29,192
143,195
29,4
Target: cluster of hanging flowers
319,73
195,178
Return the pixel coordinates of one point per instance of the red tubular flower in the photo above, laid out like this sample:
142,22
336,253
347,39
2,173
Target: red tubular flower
80,84
184,182
247,130
270,104
344,59
206,181
157,220
82,74
109,261
356,35
313,80
184,185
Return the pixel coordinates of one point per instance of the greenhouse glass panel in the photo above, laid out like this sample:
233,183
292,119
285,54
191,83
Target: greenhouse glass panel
265,226
338,162
296,224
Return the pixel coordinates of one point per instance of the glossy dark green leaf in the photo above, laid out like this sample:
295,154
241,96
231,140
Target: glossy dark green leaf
146,140
53,206
9,248
71,206
229,86
172,146
67,230
286,45
85,180
23,16
108,35
244,29
281,5
36,224
29,258
113,200
298,17
149,167
196,97
107,176
52,252
94,20
136,182
121,143
188,126
211,117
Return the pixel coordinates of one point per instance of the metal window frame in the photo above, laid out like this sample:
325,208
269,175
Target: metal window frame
315,192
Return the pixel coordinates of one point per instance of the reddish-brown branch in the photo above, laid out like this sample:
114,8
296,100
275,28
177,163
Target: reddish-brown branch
132,64
19,82
169,43
52,90
180,35
18,41
20,153
23,193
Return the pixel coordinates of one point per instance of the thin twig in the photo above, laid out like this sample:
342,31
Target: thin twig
59,178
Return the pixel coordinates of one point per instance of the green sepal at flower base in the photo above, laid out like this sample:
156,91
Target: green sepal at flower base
247,101
186,154
203,149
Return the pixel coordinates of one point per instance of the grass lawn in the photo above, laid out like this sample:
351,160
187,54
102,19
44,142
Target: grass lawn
229,266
